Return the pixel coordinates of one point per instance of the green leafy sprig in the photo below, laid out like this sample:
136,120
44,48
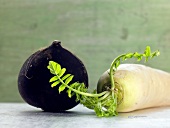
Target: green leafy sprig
116,62
105,103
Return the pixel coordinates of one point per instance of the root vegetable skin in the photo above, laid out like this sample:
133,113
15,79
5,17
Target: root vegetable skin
143,87
33,79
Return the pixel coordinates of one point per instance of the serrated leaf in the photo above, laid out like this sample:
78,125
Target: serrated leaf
51,70
61,73
55,84
52,67
58,68
65,77
53,79
61,88
69,79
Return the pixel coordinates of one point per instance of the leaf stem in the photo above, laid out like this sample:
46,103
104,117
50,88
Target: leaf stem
111,70
79,92
105,96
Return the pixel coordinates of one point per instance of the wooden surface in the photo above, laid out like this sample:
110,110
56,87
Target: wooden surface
20,115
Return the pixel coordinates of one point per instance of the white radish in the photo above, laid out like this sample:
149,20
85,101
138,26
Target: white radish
143,87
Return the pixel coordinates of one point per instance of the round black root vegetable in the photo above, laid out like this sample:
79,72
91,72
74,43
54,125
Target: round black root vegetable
33,79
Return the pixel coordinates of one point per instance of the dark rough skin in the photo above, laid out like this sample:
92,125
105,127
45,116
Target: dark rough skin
33,79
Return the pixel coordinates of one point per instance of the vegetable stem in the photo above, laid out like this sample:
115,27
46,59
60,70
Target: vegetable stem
81,93
111,70
105,96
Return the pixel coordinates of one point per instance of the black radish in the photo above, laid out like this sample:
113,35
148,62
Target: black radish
33,79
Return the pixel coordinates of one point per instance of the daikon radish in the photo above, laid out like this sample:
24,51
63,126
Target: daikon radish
123,88
143,87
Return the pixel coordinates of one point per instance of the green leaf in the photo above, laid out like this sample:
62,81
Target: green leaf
74,85
156,53
129,55
65,77
147,51
69,79
61,73
124,58
54,78
51,70
139,58
58,68
69,93
136,54
52,67
79,99
55,84
83,87
61,88
98,110
48,67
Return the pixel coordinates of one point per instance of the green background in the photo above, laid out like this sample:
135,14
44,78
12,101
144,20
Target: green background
95,30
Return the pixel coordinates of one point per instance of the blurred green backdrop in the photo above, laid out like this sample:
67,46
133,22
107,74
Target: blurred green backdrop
95,30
